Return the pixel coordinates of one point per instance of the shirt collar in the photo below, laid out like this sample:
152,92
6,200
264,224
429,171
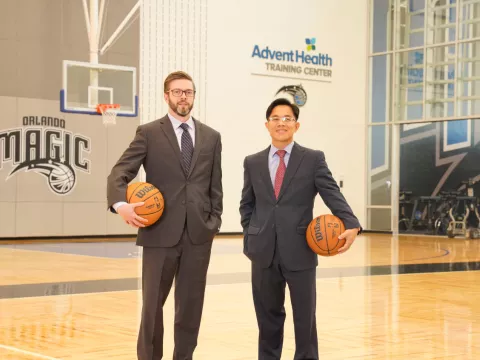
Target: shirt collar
287,148
176,123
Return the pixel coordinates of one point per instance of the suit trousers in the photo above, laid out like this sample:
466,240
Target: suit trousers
188,264
268,286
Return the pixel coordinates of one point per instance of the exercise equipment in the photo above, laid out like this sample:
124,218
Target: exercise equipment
442,221
451,213
422,217
404,201
464,218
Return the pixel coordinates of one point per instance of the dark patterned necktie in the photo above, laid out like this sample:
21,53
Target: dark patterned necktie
187,148
280,172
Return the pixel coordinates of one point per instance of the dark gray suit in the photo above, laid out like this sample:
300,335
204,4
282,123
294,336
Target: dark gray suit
274,240
179,244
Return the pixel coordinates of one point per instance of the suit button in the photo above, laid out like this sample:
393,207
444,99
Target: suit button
276,206
188,182
183,202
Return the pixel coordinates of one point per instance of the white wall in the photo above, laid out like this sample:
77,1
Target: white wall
218,38
173,36
332,120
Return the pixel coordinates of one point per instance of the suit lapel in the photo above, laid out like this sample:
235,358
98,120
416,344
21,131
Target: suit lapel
167,128
265,171
198,143
293,163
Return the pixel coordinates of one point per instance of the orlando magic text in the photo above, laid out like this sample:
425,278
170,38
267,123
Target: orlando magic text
43,146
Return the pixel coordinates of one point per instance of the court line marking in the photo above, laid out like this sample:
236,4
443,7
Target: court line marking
27,352
446,252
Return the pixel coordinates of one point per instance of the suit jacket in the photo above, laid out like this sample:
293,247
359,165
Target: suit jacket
266,220
194,200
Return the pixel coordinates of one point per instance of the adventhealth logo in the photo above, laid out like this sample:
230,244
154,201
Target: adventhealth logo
294,55
310,44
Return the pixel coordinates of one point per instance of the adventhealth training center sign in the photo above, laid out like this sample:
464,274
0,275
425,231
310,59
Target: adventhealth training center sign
304,64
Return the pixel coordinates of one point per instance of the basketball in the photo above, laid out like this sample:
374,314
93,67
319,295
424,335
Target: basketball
152,209
322,235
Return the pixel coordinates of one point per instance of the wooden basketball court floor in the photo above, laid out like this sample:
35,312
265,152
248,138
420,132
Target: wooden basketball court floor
389,297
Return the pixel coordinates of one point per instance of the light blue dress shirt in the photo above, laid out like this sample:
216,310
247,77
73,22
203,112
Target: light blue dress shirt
274,160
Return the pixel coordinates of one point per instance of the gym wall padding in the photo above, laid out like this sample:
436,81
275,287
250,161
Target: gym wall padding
438,157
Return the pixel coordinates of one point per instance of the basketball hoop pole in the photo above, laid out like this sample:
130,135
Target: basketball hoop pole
94,23
93,35
94,47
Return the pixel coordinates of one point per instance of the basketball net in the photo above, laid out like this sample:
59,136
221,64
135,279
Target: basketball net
109,113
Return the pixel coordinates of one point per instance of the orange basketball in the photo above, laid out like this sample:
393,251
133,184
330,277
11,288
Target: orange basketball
152,209
322,235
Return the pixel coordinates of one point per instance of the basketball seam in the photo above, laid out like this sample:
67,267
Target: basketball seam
153,212
312,235
312,229
133,192
342,228
326,234
341,232
338,240
151,196
336,247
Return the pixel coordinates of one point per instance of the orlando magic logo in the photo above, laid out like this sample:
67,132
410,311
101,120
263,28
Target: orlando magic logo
60,177
53,153
296,91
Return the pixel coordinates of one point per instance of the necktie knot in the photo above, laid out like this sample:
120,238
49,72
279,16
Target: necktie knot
184,126
281,153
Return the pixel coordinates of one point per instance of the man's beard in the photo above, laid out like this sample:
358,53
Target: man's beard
181,110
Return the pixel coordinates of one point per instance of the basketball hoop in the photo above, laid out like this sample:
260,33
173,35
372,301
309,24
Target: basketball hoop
109,113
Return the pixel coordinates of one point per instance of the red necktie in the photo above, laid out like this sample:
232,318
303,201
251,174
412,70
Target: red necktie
280,172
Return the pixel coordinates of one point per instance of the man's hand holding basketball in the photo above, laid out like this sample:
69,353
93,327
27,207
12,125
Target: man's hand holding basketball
349,236
127,212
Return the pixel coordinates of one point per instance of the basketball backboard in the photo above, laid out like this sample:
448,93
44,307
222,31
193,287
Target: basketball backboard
85,85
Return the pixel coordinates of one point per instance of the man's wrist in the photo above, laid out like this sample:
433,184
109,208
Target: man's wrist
117,205
359,229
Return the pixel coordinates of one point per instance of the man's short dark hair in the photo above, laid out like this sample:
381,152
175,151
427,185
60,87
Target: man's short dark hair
177,75
283,101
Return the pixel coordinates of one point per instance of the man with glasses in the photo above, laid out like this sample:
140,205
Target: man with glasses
276,207
182,158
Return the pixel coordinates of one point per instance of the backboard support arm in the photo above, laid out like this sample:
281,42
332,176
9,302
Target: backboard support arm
94,22
87,19
100,18
120,28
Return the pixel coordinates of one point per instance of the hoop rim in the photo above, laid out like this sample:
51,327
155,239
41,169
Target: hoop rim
102,107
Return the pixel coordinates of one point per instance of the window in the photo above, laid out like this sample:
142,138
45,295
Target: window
424,67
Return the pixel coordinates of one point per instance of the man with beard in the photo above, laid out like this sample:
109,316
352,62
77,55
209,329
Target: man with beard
182,158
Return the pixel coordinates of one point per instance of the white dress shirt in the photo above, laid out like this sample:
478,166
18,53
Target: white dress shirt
178,132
